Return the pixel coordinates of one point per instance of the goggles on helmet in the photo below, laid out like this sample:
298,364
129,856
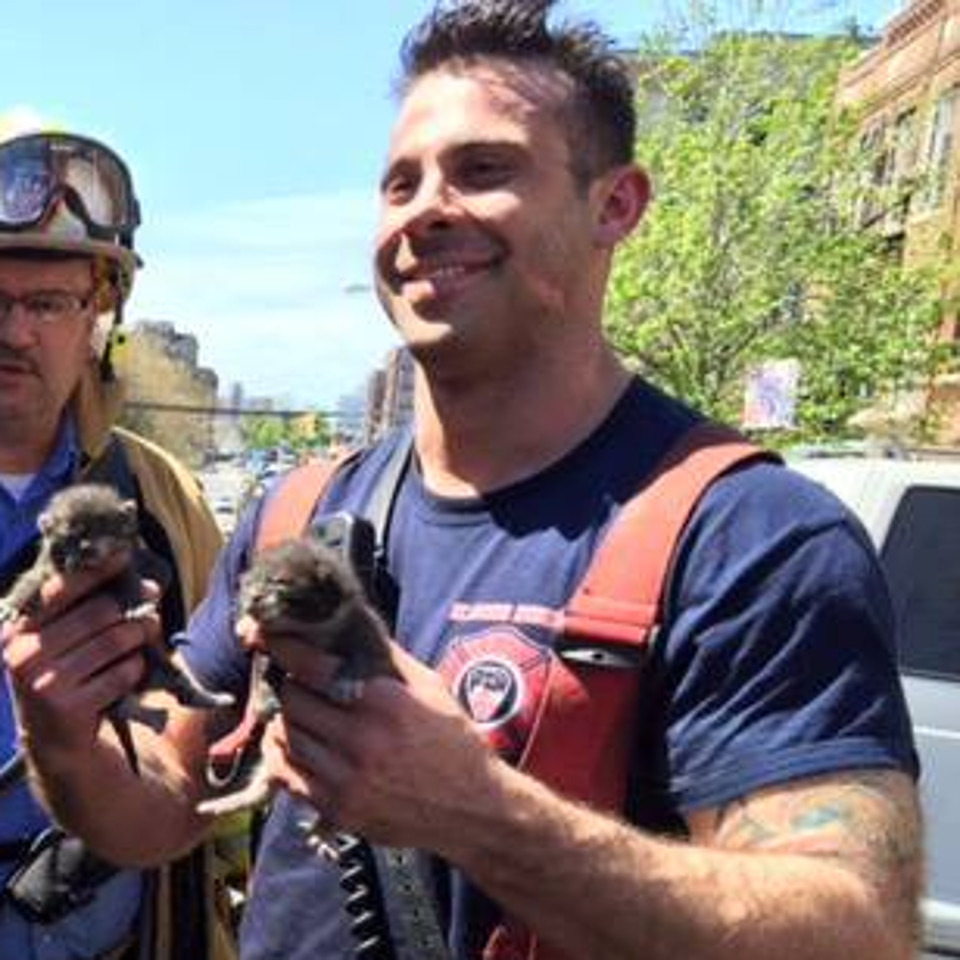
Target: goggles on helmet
39,170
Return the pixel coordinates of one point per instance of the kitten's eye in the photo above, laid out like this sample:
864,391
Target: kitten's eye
61,550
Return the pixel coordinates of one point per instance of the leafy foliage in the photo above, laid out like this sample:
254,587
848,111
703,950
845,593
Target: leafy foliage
307,431
754,246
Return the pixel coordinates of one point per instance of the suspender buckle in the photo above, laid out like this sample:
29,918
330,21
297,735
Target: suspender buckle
607,656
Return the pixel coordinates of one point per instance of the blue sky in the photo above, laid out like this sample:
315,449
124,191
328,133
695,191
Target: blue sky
255,131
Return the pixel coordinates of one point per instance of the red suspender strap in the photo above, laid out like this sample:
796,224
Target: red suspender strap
286,514
583,738
619,597
290,507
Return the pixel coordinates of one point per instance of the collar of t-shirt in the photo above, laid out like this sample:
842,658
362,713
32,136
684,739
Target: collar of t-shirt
23,497
16,484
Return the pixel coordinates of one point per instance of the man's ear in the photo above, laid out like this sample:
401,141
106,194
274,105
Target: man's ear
624,195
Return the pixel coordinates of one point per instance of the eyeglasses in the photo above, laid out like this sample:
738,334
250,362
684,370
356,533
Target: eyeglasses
46,307
38,170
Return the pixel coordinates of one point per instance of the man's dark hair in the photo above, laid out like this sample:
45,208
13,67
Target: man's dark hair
601,114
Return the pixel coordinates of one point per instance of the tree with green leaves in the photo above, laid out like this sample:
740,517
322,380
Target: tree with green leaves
754,247
301,433
262,432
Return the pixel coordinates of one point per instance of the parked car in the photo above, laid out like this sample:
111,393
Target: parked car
911,508
225,513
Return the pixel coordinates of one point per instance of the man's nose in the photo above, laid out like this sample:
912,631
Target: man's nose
435,206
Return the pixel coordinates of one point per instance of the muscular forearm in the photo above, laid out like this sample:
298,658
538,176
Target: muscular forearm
602,890
130,819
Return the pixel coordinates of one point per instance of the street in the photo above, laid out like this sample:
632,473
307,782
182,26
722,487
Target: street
224,485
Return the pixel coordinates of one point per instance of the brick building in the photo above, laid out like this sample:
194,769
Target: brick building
908,86
390,394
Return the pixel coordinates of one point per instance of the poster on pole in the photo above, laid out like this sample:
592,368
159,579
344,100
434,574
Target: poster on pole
770,398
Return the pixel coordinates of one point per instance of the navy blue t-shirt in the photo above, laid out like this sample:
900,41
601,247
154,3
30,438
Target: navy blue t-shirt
776,661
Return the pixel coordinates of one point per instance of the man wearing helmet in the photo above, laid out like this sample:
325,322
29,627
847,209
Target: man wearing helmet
67,219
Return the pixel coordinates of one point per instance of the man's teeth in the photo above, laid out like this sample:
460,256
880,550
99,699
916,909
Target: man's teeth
439,273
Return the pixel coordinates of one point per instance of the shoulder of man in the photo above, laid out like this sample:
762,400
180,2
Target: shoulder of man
765,496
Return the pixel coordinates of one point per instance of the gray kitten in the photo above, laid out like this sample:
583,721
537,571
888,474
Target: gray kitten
301,588
81,528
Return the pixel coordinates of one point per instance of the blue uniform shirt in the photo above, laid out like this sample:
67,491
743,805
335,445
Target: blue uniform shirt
89,931
18,518
776,660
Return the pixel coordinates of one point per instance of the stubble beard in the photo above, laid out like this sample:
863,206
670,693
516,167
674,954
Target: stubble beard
26,421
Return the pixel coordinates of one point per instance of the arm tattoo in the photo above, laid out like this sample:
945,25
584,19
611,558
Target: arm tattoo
867,821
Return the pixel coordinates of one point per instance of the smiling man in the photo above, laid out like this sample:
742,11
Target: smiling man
769,805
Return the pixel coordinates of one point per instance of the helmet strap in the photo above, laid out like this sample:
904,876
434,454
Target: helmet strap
107,372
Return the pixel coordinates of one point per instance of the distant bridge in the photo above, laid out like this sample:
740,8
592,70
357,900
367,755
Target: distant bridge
209,411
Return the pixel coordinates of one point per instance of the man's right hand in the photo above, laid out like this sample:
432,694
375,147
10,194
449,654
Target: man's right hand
70,660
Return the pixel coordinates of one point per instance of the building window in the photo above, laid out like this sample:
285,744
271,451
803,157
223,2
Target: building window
873,145
881,156
905,145
940,147
893,170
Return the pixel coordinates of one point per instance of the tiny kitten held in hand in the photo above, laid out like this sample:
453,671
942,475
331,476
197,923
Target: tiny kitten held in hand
301,588
83,527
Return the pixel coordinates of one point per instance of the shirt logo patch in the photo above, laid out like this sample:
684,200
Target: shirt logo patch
491,690
498,676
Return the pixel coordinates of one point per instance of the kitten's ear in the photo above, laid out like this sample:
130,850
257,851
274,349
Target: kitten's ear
45,523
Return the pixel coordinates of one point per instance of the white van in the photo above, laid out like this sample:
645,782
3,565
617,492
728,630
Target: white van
911,507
